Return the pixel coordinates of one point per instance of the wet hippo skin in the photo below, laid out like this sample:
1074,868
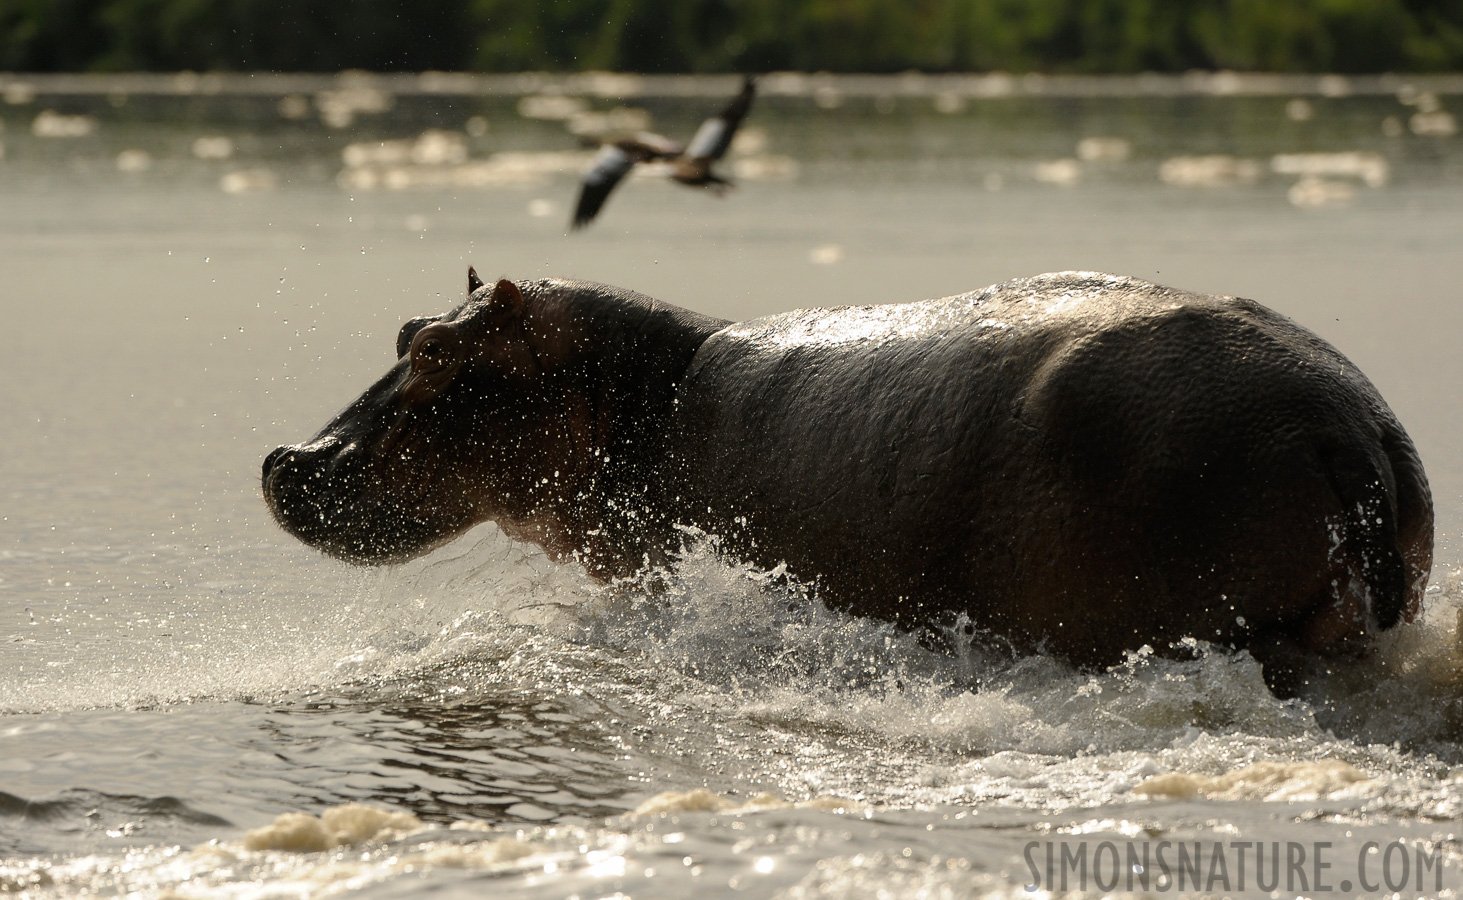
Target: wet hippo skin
1080,463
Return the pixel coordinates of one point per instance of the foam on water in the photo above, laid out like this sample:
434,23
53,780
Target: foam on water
1264,781
755,648
743,671
678,846
340,826
733,696
757,645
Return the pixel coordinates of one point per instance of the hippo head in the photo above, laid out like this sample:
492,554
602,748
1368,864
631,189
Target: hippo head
435,446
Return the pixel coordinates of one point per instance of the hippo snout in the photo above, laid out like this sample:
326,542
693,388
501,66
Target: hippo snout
331,494
309,487
272,458
318,456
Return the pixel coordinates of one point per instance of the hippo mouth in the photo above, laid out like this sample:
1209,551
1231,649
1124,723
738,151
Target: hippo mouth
327,495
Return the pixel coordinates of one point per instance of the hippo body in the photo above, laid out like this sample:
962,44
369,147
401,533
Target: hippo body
1079,463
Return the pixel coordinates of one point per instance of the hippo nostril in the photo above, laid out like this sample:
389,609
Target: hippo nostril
272,458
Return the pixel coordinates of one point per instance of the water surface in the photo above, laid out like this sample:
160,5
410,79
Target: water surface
178,672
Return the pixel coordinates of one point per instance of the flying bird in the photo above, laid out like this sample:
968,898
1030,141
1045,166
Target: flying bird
690,165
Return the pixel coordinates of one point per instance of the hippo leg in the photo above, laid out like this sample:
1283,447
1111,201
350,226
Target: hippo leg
1379,567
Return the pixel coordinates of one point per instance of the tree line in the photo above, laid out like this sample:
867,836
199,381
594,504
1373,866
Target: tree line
1085,36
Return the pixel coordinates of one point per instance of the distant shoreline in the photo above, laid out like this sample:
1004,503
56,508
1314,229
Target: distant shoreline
18,87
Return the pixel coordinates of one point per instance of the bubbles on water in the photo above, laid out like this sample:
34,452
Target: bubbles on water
1104,149
749,140
618,121
339,107
438,160
1369,168
765,167
1430,118
1440,123
1313,192
1299,110
134,161
1329,179
551,106
248,181
1061,172
433,147
213,146
1214,170
18,93
51,124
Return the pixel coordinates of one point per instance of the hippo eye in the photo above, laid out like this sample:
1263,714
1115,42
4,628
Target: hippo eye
433,348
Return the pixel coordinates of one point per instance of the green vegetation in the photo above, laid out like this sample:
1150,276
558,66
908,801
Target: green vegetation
733,35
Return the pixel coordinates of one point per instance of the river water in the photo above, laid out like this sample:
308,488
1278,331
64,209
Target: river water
197,269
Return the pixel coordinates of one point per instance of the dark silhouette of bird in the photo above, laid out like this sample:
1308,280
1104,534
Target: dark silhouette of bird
690,165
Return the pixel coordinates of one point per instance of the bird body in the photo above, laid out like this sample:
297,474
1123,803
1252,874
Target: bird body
689,165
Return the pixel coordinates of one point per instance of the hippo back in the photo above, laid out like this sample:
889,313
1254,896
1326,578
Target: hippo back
1072,460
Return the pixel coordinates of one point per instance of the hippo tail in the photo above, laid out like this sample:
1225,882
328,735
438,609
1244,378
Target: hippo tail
1383,545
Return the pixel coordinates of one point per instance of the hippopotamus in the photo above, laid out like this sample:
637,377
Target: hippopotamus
1078,463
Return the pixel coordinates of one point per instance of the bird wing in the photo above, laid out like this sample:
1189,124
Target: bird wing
653,146
715,134
609,166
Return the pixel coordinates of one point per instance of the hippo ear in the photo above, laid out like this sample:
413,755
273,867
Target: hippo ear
507,299
473,281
